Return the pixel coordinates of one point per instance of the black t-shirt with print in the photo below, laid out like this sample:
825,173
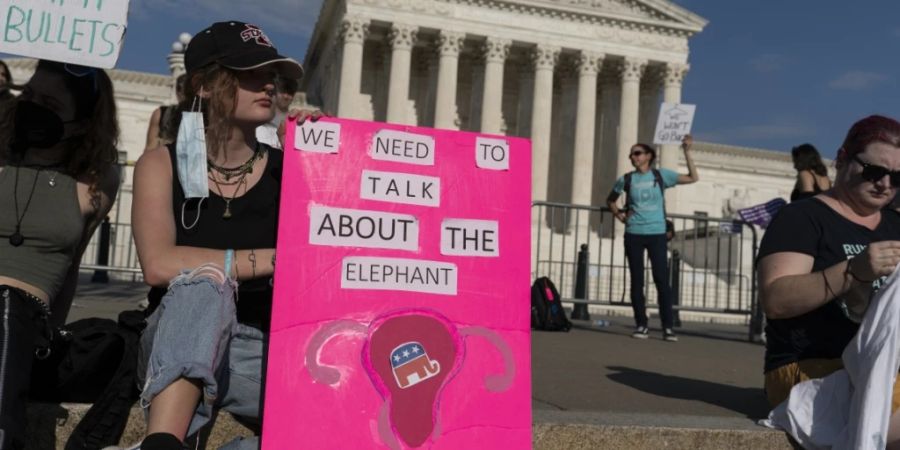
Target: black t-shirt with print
811,227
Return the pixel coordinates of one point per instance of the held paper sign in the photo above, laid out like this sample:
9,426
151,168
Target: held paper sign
85,32
675,120
396,248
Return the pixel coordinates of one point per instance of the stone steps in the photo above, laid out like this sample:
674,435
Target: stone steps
50,425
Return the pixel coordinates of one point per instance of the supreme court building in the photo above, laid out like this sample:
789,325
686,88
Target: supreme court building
582,78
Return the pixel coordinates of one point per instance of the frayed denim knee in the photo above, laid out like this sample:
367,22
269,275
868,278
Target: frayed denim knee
188,336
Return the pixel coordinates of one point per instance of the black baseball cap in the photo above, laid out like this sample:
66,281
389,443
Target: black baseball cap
238,46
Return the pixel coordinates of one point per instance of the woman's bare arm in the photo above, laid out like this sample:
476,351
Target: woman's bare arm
154,225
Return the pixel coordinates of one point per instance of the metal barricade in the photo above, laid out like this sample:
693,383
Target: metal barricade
120,260
715,260
111,252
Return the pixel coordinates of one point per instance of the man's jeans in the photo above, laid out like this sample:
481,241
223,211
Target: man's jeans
655,245
194,334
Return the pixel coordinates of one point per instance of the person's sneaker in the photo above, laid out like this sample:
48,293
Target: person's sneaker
669,335
115,447
641,333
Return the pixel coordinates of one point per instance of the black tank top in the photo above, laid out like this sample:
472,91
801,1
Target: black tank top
253,224
796,194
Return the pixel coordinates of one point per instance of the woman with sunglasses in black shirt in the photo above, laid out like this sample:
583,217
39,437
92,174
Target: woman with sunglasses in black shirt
820,260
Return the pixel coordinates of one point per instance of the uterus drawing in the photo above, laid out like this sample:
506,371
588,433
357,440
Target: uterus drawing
410,356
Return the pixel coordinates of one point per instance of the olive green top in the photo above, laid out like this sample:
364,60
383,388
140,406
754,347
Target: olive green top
51,226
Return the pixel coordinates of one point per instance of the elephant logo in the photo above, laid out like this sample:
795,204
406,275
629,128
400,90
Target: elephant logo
411,365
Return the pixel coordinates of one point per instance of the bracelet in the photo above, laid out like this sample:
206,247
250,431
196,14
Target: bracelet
229,257
847,271
828,289
272,278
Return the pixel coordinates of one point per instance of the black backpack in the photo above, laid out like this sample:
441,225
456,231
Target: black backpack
547,312
93,361
657,176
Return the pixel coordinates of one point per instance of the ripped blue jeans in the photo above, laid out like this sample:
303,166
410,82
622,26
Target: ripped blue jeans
194,334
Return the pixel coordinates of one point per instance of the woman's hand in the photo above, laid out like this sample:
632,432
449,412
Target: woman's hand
686,142
302,114
623,216
876,261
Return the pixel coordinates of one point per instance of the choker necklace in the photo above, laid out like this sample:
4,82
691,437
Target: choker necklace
16,239
241,170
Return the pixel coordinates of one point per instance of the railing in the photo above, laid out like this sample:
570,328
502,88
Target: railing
712,260
111,249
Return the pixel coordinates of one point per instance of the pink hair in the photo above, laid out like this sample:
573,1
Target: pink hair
871,129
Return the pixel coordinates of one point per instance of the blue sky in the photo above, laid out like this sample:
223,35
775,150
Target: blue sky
764,73
773,74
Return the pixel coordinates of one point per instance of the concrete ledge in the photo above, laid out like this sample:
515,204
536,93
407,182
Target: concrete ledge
615,437
556,429
51,424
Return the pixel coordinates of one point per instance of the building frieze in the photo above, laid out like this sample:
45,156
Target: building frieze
643,24
735,159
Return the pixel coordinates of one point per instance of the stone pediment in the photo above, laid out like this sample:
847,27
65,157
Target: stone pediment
640,10
656,16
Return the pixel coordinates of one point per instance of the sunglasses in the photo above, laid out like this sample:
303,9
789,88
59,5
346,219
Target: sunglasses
873,172
637,153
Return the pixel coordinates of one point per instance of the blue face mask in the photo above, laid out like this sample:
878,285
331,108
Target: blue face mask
190,152
191,155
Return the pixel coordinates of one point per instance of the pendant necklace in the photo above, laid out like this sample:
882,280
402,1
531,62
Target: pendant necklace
16,239
237,187
228,172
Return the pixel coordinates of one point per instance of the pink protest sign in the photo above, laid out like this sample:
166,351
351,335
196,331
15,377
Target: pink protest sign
401,311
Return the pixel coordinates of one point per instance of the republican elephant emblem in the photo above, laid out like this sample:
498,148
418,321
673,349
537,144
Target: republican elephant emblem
411,365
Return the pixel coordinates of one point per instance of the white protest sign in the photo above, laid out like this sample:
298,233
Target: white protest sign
318,137
85,32
675,120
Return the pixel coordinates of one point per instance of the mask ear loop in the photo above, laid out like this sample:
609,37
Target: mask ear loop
197,219
196,106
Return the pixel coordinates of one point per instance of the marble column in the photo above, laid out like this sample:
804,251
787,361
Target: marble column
402,38
495,52
545,58
589,64
649,104
673,75
449,45
630,72
353,33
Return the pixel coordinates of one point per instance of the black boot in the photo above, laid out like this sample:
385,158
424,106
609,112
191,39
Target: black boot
23,321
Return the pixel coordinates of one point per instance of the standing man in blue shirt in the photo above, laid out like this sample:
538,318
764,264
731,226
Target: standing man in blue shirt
644,216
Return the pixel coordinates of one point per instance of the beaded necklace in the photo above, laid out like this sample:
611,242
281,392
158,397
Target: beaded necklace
241,170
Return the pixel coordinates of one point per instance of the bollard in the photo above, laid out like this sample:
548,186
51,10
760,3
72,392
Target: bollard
675,286
757,321
580,311
101,276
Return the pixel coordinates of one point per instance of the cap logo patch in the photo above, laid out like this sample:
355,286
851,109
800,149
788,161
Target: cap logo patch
253,32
